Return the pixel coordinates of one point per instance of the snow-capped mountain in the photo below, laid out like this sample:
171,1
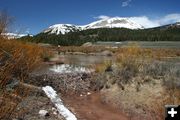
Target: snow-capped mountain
62,29
14,35
115,22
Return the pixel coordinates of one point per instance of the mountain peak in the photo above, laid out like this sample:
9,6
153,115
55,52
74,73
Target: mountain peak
115,22
61,29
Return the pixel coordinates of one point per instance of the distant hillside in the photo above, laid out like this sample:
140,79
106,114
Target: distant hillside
163,33
14,35
169,26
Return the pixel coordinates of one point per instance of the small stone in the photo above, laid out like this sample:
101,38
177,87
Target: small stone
87,44
43,113
53,109
88,93
55,113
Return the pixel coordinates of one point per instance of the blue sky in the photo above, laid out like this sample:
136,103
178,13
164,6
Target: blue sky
35,15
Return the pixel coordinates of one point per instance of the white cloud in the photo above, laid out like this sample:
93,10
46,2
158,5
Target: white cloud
145,21
126,3
170,18
101,17
148,22
164,20
27,31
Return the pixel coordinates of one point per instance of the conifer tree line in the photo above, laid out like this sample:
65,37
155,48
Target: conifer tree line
107,34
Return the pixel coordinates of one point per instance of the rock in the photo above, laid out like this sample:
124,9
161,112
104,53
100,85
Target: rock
54,109
12,84
55,112
87,44
106,53
43,113
79,53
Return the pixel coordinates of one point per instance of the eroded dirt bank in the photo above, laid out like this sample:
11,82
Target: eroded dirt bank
77,95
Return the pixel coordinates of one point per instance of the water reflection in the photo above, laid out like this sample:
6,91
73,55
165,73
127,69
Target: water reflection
66,68
84,60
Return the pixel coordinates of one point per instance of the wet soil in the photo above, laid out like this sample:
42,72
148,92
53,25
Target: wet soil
91,107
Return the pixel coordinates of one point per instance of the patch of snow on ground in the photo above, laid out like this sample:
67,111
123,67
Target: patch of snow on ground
66,68
51,93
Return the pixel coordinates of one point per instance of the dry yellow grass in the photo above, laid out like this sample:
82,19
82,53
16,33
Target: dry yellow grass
103,67
141,83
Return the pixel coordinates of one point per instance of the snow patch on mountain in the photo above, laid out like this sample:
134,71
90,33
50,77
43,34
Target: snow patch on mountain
62,29
115,22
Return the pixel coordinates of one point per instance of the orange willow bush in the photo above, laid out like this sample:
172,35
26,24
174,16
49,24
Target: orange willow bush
17,60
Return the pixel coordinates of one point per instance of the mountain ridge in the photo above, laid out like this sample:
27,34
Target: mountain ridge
115,22
169,32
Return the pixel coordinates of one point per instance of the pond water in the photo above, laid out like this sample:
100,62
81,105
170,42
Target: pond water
66,68
84,63
84,60
78,63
